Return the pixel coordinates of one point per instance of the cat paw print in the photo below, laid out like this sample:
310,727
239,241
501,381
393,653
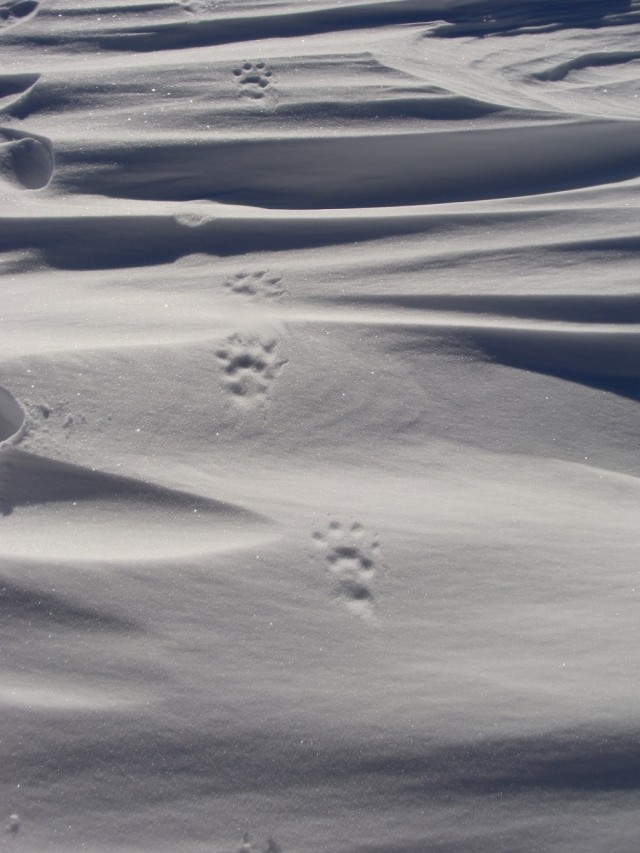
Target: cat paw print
351,555
249,365
261,283
254,79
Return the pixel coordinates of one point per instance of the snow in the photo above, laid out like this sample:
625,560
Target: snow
318,431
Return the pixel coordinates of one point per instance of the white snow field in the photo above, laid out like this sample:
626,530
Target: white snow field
319,426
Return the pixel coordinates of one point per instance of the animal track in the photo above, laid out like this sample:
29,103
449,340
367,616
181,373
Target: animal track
12,13
350,554
261,283
254,79
249,365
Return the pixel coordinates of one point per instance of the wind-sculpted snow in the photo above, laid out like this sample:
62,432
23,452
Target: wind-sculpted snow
497,17
186,24
11,417
365,171
319,337
25,160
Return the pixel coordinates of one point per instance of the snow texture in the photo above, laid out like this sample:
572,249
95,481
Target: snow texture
319,473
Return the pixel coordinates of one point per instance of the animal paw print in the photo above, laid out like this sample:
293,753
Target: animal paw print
350,554
261,283
254,79
12,13
249,365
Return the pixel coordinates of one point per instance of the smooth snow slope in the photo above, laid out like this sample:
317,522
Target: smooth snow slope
319,393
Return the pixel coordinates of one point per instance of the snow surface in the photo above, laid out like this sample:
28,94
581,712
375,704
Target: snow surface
319,470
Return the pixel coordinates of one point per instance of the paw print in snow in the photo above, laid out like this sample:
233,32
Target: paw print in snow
249,365
261,283
254,79
351,556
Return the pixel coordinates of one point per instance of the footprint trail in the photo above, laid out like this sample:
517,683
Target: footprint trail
249,366
254,80
351,555
262,283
